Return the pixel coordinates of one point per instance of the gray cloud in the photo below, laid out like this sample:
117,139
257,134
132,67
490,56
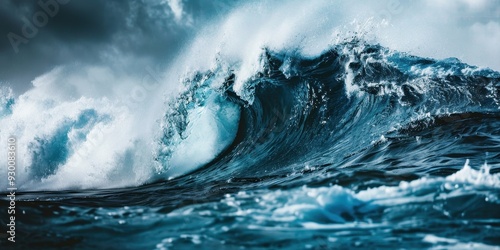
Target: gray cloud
89,31
151,32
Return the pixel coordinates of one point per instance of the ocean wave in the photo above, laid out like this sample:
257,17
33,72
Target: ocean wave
299,108
296,108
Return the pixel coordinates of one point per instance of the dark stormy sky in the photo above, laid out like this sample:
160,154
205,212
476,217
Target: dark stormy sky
92,31
151,32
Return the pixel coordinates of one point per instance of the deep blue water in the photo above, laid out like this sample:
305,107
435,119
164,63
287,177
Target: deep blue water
361,146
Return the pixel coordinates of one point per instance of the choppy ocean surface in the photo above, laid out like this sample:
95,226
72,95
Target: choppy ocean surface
358,146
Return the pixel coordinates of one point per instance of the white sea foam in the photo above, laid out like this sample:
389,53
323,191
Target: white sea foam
447,243
324,207
121,152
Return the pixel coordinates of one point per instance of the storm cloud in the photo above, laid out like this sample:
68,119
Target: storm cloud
37,36
131,35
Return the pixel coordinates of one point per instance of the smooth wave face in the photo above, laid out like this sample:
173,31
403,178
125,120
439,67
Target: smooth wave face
356,146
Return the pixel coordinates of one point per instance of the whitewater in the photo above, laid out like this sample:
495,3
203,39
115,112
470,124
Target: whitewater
296,125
